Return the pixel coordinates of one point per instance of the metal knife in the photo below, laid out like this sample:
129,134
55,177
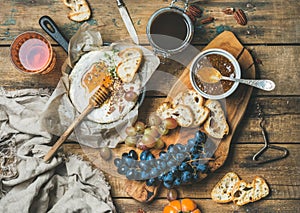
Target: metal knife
127,21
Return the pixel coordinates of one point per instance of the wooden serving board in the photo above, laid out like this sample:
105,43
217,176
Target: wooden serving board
234,107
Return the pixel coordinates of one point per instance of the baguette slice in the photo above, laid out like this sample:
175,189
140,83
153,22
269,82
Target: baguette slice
216,124
126,69
222,192
80,10
261,188
181,113
195,102
244,193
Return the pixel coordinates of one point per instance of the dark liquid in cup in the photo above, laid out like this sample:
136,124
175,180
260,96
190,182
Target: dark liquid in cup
168,30
34,54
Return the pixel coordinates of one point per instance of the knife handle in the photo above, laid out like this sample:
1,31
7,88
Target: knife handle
120,3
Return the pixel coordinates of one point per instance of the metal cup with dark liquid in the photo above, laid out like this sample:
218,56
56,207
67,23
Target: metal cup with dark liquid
170,30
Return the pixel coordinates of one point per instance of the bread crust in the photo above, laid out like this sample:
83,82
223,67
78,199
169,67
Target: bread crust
216,125
80,10
244,193
132,59
222,192
195,102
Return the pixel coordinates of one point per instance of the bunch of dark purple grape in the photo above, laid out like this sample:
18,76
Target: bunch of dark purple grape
180,164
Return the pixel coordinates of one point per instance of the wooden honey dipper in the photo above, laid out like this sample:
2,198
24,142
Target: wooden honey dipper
96,100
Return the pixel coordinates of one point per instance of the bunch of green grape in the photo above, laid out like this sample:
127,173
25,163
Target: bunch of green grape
147,137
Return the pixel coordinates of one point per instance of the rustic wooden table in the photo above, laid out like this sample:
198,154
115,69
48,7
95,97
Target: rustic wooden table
272,37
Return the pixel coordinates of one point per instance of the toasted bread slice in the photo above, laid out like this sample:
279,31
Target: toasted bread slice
195,102
132,58
216,125
244,193
222,192
261,188
80,10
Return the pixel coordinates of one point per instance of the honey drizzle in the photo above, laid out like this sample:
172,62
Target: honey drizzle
98,75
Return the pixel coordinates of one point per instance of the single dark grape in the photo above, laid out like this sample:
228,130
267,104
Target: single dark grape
189,168
194,149
150,182
200,137
137,174
154,172
144,154
169,177
130,174
183,166
200,148
145,175
186,177
191,142
161,153
171,163
162,165
124,155
168,185
118,162
180,156
164,156
201,167
173,149
143,165
150,156
195,176
133,154
180,147
177,182
122,169
129,161
175,171
170,147
195,156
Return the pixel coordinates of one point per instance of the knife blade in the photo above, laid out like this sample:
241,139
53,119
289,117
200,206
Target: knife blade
127,21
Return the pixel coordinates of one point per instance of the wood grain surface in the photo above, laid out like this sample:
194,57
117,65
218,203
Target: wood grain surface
271,36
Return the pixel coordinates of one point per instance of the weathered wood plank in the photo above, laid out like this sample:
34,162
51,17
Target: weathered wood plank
268,21
279,63
283,186
207,206
11,78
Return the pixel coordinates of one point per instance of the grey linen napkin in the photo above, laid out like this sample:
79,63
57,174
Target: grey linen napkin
69,185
